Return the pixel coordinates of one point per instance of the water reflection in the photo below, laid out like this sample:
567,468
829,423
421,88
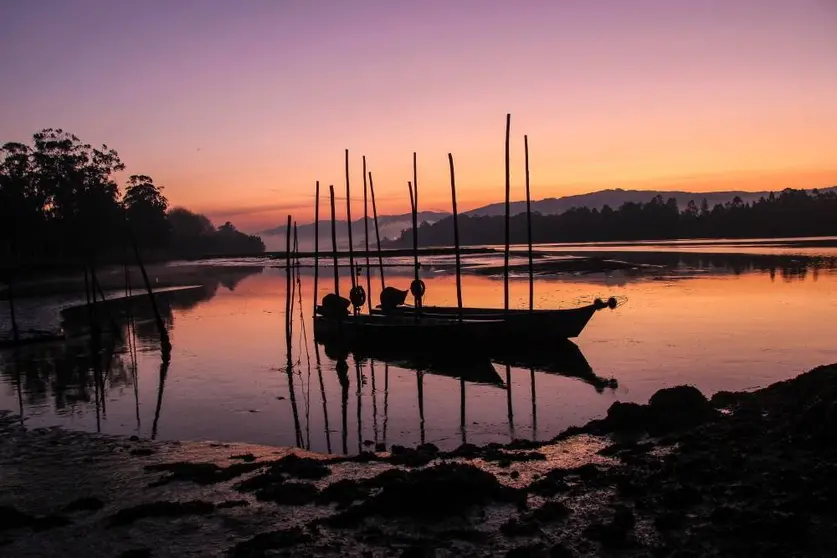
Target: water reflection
231,376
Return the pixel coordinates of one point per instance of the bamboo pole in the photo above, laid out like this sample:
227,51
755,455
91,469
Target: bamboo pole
316,243
366,239
413,206
334,243
15,330
288,295
529,226
349,220
456,238
507,222
377,232
165,343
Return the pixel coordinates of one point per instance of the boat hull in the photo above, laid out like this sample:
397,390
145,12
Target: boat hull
516,324
406,331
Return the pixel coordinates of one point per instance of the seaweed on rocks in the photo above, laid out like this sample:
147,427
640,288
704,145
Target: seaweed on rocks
160,509
88,503
435,493
200,473
263,543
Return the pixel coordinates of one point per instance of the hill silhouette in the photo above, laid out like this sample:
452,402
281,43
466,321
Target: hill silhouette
792,213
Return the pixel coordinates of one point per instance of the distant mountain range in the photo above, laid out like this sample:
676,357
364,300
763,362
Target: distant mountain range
615,198
391,226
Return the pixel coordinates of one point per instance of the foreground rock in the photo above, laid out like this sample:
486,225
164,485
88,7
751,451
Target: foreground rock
740,474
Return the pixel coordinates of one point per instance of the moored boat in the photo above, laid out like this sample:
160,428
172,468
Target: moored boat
542,324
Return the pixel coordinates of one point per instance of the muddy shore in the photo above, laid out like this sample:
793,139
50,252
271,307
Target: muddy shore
738,474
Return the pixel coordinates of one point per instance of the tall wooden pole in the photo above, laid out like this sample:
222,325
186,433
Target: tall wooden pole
415,245
529,226
288,294
377,232
349,219
334,243
507,228
456,238
165,343
316,242
366,239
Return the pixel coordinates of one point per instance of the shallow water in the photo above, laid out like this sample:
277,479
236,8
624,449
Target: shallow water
722,319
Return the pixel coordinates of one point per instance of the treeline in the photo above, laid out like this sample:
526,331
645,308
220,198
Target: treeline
60,203
792,213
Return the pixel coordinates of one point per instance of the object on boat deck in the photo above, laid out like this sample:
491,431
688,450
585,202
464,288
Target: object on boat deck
334,306
391,298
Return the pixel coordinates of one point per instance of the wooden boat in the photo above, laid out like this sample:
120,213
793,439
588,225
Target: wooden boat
517,324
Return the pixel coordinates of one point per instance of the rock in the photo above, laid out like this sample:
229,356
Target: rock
84,504
227,504
428,448
551,511
160,509
288,493
137,553
624,518
537,550
262,543
515,527
623,417
608,534
433,494
678,408
343,492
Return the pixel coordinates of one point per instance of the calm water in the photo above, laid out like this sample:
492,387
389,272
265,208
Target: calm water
718,317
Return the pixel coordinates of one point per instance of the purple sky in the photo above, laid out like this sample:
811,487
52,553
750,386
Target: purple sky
237,107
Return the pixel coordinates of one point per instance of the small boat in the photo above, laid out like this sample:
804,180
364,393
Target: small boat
516,323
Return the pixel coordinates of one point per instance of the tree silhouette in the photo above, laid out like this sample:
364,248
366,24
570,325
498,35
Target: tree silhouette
60,203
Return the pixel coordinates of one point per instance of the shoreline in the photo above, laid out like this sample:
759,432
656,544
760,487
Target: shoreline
750,472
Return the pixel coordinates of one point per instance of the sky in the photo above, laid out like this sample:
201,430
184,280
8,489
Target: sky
237,108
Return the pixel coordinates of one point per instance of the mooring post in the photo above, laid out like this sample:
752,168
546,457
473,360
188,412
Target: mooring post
456,238
334,243
529,226
507,222
316,243
377,232
349,222
366,239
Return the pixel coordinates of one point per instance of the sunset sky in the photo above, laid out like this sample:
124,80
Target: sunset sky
238,107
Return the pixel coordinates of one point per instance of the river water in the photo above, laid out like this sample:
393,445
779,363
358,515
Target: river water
717,315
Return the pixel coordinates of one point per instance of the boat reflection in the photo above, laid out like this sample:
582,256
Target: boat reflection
562,357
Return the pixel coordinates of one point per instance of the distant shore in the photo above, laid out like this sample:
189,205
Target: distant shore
750,473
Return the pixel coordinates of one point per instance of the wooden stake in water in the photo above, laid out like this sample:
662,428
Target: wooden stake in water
165,343
507,222
334,243
456,238
15,331
288,294
413,198
366,239
316,242
349,222
377,232
529,226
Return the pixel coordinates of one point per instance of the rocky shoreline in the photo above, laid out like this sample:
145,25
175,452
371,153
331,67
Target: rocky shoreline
738,474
